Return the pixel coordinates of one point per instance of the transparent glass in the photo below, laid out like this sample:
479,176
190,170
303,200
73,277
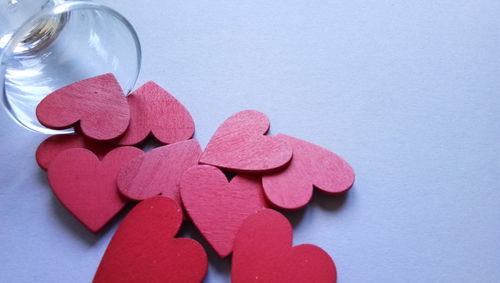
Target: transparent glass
45,45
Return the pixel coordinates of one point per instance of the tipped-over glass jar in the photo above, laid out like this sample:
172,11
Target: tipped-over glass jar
48,44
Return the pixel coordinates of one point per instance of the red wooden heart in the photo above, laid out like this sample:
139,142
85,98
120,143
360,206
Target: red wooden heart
98,103
52,146
158,171
87,186
154,110
311,166
144,249
218,207
263,253
240,145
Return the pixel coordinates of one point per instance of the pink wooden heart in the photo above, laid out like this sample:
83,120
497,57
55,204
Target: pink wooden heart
144,249
218,207
240,145
53,145
154,110
98,103
158,171
311,166
263,252
87,186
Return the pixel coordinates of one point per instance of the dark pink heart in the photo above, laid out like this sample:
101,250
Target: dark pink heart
240,145
158,172
144,248
311,166
87,186
53,145
263,252
218,207
154,110
98,103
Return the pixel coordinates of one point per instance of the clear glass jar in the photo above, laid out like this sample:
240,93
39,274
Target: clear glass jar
48,44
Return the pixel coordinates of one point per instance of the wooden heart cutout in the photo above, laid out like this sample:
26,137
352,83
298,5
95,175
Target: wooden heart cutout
98,103
158,171
240,145
311,166
87,186
218,207
263,252
144,249
53,145
154,110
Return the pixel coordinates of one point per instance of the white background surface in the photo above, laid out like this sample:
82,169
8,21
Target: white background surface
406,91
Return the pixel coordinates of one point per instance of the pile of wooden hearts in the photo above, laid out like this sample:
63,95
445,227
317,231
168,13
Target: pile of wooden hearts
96,171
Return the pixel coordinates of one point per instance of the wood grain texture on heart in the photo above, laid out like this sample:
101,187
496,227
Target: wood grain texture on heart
154,110
311,166
218,207
144,249
98,103
158,171
263,252
87,186
240,145
53,145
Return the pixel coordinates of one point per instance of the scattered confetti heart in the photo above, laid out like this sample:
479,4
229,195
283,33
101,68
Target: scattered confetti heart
154,110
87,186
218,207
52,146
98,103
263,252
144,249
158,171
240,145
311,166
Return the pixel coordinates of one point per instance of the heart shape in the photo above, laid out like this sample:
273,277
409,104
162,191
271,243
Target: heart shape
311,166
53,145
263,252
154,110
144,249
158,171
218,207
87,186
98,103
240,145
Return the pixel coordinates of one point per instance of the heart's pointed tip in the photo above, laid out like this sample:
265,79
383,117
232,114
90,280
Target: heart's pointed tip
223,254
94,229
151,84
